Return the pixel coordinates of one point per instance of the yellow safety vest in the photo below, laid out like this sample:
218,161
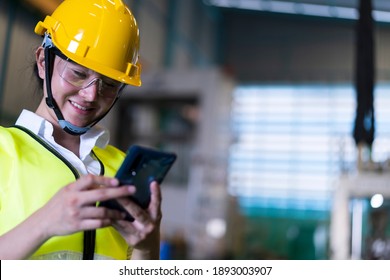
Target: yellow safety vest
31,172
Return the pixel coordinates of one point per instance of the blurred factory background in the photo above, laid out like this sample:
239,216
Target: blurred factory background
280,155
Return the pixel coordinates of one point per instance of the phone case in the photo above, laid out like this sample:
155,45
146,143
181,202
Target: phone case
141,166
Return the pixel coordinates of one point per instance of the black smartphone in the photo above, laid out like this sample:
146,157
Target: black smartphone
141,166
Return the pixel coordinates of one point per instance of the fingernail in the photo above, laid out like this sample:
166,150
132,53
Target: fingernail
114,182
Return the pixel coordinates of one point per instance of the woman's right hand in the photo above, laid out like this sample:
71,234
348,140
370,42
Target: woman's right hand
73,208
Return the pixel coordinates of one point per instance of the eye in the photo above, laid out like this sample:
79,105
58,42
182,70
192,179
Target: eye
108,84
79,74
77,71
111,84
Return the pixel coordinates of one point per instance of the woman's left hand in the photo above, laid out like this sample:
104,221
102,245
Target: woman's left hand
143,234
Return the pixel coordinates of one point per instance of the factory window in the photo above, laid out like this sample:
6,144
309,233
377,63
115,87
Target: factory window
293,142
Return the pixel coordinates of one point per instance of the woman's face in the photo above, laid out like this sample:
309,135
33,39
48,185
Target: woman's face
81,94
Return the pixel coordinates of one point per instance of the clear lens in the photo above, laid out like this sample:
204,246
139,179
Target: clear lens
81,78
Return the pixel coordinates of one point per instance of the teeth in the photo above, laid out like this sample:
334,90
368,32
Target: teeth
78,106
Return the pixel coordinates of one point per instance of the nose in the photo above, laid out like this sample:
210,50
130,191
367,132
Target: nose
92,89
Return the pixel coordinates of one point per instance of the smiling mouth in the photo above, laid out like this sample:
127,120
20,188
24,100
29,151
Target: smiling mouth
78,106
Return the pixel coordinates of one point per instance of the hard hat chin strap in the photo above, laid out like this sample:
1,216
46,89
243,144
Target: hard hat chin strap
51,103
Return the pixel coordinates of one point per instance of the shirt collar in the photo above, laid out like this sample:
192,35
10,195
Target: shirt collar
96,136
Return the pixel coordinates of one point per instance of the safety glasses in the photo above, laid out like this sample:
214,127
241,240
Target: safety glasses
82,78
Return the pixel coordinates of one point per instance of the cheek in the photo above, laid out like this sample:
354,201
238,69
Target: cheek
60,89
106,103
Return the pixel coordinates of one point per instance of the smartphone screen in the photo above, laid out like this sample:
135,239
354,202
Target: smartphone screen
141,166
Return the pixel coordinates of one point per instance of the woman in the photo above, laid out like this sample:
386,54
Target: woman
56,164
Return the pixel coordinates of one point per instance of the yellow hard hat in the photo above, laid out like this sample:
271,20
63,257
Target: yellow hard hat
101,35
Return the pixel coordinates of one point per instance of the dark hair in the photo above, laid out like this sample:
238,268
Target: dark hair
36,75
36,81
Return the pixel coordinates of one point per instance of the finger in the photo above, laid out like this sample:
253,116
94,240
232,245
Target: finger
155,201
124,225
135,210
155,193
92,181
105,193
134,230
89,224
101,213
